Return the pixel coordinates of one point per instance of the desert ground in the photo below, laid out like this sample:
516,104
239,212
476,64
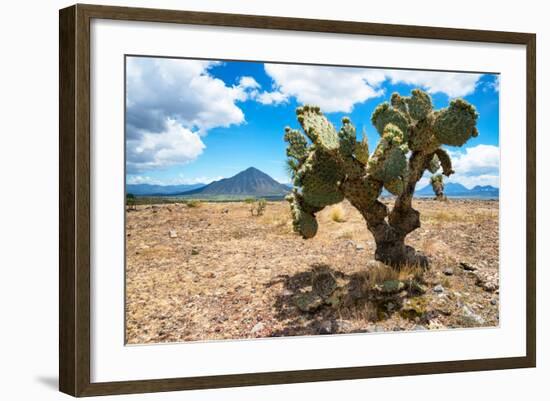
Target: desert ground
212,271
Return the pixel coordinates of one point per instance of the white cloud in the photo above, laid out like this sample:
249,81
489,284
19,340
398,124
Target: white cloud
332,88
174,145
338,89
470,181
170,104
275,97
453,84
478,165
248,82
478,160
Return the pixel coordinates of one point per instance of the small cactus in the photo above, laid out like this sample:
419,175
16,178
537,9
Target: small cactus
257,208
437,185
333,165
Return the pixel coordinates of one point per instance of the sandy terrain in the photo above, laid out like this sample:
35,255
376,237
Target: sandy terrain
215,272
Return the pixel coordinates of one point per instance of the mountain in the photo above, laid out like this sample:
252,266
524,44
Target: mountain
250,182
159,190
456,189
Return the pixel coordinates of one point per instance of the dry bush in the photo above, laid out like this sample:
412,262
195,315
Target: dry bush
337,214
378,272
193,203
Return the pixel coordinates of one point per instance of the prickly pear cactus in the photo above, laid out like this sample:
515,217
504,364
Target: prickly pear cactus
330,165
438,186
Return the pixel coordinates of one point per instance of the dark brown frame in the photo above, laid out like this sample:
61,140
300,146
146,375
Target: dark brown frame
74,199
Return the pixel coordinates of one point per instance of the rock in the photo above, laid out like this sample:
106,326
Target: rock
325,327
392,286
308,302
173,234
439,288
419,327
413,308
359,247
194,251
379,329
257,328
468,267
323,282
494,301
448,271
287,293
487,280
416,287
342,326
225,211
470,318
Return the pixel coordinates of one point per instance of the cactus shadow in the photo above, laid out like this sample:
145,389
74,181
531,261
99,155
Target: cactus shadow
354,298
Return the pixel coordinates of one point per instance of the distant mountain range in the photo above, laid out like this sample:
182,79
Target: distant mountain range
459,190
255,183
160,190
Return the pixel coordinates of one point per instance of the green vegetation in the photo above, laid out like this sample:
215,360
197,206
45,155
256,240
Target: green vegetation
436,181
130,202
258,208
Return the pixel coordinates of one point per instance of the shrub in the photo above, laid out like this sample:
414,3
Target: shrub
337,214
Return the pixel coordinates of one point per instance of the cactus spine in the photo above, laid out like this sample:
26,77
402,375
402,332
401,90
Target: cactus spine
334,165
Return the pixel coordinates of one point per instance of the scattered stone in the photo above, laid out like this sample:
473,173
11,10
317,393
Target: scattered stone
173,234
392,286
225,211
359,247
414,308
448,271
287,293
257,328
379,329
342,326
417,288
439,288
470,318
487,280
308,302
494,301
419,327
325,327
194,251
468,267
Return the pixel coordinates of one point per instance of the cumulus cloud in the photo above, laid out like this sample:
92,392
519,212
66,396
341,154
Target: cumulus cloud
453,84
478,165
170,104
173,145
332,88
338,89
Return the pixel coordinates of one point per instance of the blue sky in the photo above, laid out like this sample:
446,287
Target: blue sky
190,121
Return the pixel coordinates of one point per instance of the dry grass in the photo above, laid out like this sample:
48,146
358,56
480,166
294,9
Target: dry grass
337,214
377,273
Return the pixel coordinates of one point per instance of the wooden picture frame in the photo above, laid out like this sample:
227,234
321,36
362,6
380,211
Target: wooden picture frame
74,199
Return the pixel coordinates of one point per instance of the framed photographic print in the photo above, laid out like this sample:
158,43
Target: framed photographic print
250,200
